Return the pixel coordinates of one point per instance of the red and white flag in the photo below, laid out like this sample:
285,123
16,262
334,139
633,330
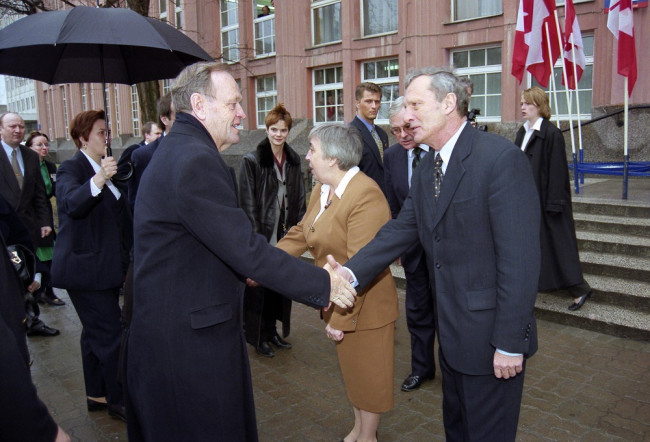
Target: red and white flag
572,30
530,52
621,23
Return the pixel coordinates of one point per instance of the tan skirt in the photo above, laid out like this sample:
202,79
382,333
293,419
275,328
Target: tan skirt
366,358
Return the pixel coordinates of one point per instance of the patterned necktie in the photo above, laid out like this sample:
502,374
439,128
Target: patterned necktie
438,175
416,157
380,145
16,167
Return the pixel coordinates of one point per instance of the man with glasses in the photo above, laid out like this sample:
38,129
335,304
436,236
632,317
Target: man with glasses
400,163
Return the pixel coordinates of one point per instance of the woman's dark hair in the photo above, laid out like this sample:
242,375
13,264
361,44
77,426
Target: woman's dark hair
82,124
34,134
276,114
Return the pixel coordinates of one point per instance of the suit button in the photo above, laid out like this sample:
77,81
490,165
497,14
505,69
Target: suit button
354,320
311,247
438,265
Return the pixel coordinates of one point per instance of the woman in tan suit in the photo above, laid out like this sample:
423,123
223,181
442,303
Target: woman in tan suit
345,212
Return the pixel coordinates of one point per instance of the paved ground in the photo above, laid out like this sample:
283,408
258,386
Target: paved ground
581,385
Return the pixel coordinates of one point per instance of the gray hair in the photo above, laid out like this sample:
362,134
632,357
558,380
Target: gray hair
193,79
443,81
396,107
340,142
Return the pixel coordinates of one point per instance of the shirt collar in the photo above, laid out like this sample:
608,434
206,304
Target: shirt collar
325,188
537,125
448,148
424,147
8,149
370,126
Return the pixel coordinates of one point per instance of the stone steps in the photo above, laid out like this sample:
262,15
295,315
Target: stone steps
614,243
612,224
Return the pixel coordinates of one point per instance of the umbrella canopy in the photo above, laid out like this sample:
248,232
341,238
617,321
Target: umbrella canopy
91,45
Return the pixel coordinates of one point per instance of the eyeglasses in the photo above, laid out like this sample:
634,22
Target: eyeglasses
399,130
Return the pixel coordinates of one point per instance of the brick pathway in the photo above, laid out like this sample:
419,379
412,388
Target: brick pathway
581,385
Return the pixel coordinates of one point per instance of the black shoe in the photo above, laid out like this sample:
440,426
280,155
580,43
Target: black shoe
117,412
40,329
50,301
576,305
96,405
413,382
279,342
265,349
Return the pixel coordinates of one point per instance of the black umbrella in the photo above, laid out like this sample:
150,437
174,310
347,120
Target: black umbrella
89,45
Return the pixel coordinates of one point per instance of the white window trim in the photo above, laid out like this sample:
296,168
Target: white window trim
488,69
264,94
257,20
380,82
226,29
480,17
317,4
363,24
322,88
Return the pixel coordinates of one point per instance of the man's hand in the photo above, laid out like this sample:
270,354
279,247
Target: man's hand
62,436
334,334
35,285
251,283
341,292
339,269
45,230
507,366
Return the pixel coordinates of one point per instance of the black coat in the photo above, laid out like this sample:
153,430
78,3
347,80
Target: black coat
258,190
187,364
371,163
48,241
560,261
95,233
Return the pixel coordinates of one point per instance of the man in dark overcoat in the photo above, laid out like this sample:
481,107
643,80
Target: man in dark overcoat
473,207
188,375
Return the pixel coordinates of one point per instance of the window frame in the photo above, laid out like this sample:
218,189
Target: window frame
228,29
363,22
135,111
455,19
264,94
381,82
319,4
256,21
482,70
336,86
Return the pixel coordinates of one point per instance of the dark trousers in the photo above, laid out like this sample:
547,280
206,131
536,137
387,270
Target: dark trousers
479,408
99,312
421,320
579,290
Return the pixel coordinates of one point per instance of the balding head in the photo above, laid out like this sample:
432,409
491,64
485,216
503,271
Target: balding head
12,129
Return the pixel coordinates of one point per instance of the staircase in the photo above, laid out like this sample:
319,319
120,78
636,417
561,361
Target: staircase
614,244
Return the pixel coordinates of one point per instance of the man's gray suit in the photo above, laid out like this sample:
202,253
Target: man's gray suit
481,240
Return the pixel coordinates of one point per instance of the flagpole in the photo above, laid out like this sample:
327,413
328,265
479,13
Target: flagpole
575,79
550,61
576,182
626,157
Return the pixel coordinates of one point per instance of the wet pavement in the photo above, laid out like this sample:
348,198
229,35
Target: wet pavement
581,385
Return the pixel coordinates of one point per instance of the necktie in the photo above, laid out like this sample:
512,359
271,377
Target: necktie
438,175
16,167
416,157
380,145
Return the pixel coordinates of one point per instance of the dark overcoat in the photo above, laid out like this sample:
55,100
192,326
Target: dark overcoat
258,196
188,373
560,261
481,240
48,241
371,160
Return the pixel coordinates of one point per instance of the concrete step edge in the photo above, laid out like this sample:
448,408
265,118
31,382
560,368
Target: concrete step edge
615,260
610,219
614,238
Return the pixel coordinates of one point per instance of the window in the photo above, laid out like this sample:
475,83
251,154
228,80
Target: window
264,27
328,94
483,67
66,120
117,108
384,73
229,31
379,16
84,98
135,111
266,97
167,86
162,4
178,14
469,9
585,86
326,21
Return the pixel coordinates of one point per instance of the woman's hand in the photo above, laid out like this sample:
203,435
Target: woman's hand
334,334
107,170
251,283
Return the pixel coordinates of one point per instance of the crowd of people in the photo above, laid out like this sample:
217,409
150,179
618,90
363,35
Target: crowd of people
208,260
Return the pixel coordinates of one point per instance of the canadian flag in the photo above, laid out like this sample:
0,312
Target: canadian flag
621,23
572,30
530,52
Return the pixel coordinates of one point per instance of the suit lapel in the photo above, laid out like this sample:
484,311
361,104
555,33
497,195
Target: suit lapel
453,174
9,178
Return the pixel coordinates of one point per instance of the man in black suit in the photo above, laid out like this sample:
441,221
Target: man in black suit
21,184
474,208
375,140
400,163
188,376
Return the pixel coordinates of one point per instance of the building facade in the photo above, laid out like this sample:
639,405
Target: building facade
311,54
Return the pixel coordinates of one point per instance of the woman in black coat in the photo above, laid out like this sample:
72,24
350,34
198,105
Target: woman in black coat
40,143
91,256
272,193
543,143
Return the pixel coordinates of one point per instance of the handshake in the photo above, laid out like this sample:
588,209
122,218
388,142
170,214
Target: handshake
341,291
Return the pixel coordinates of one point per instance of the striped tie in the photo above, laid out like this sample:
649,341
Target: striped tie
380,145
438,175
16,167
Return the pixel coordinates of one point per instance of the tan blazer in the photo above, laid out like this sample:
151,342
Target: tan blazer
347,225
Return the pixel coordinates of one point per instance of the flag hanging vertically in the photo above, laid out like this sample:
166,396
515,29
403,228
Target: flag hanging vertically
620,22
530,52
572,30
